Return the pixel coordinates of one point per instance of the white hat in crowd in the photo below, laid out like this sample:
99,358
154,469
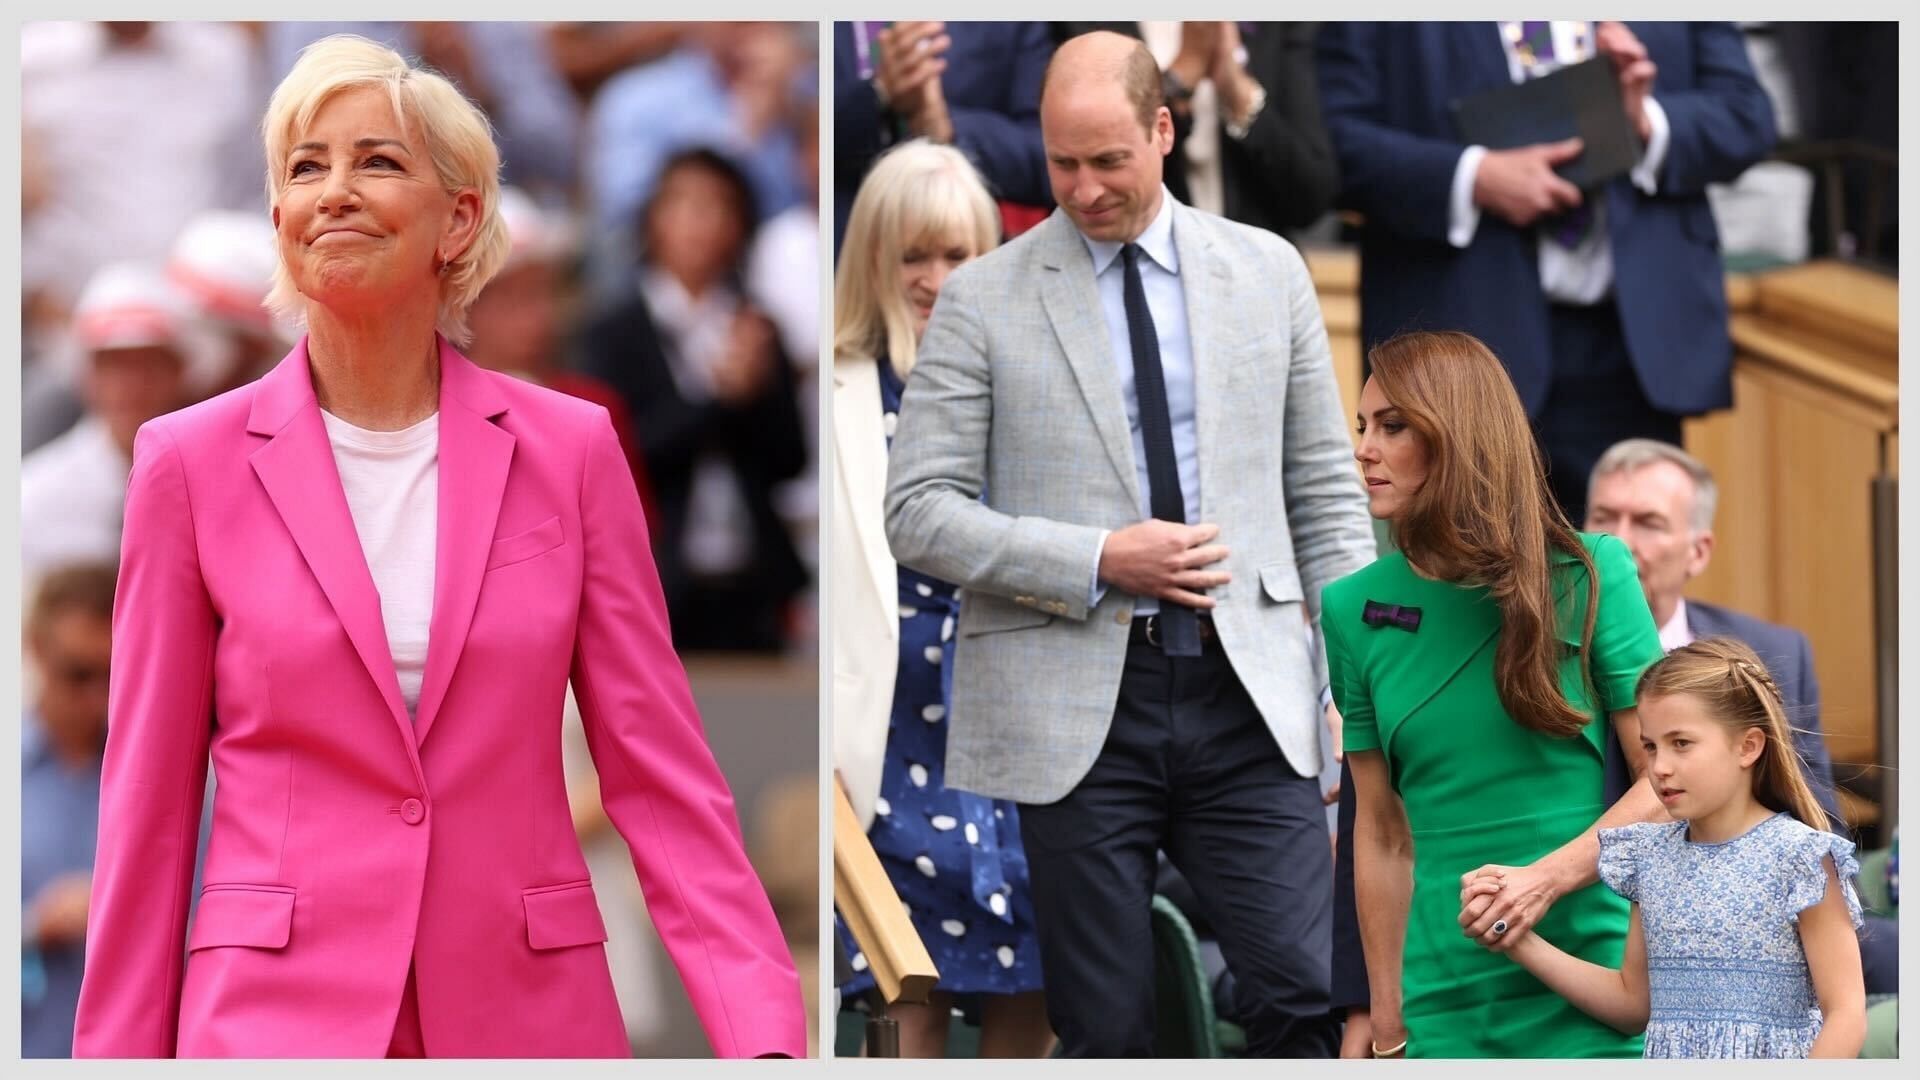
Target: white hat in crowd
536,234
131,305
223,260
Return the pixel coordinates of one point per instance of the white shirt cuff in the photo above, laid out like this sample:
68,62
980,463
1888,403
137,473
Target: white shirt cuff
1095,590
1463,218
1646,175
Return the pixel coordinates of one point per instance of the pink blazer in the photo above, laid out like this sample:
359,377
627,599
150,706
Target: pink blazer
349,842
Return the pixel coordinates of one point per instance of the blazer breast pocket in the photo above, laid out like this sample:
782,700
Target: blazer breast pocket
520,547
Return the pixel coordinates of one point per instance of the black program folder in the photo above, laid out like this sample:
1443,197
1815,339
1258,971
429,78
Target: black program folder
1580,99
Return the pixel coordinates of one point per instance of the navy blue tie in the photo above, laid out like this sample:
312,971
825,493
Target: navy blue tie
1179,626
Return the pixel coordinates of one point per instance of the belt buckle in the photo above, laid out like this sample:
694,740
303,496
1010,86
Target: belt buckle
1153,629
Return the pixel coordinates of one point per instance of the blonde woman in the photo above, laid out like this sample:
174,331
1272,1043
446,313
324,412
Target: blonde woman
955,857
362,584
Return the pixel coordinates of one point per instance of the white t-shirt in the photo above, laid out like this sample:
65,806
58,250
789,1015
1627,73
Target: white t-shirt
392,481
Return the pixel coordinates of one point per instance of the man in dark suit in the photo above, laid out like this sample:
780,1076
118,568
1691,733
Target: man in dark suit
1248,141
1608,307
1660,500
975,85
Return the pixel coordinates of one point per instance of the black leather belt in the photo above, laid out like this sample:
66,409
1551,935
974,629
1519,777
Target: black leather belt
1146,631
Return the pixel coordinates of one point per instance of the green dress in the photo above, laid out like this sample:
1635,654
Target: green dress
1479,788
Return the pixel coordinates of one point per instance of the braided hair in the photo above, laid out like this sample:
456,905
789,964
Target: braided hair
1733,683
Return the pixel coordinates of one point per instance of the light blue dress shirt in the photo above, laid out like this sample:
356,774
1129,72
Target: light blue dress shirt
1160,279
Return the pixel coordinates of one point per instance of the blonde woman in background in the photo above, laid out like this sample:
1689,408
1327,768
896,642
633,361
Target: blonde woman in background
954,857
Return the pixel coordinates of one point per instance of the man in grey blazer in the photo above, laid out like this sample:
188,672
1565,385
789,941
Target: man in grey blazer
1123,440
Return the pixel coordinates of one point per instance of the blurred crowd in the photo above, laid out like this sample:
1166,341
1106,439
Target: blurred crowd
660,192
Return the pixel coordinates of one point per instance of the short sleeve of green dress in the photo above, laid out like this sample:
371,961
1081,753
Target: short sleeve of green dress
1480,788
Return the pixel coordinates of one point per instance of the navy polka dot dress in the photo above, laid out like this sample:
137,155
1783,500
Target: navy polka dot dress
954,857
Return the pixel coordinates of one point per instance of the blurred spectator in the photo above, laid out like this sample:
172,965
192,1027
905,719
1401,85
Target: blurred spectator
517,322
141,351
1609,312
587,54
504,67
223,261
1845,79
731,86
783,279
135,127
1249,143
713,403
975,85
69,641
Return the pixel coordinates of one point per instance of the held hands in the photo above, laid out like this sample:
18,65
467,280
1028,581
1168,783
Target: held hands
1632,69
1165,560
1516,896
1519,185
749,361
1357,1040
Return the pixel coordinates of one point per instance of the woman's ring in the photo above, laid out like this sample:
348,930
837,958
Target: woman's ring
1499,927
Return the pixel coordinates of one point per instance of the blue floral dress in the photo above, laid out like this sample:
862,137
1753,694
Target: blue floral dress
1727,974
954,857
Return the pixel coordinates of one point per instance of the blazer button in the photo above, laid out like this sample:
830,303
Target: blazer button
412,812
1123,616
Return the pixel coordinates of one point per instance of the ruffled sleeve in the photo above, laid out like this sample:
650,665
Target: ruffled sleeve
1622,852
1806,872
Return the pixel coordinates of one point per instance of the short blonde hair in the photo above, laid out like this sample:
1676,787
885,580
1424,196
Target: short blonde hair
915,191
459,143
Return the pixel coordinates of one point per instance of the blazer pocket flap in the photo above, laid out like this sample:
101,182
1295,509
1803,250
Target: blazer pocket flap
563,915
1281,582
992,614
258,916
520,547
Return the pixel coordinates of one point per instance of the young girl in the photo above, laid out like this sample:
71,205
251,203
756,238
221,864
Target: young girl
1739,945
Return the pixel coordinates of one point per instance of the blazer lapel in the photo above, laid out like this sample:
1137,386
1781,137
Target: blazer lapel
859,448
1205,282
474,455
297,469
1072,302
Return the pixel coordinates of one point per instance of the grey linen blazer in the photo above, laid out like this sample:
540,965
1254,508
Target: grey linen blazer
1013,452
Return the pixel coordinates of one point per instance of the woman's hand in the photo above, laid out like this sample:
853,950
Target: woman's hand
1386,1037
1513,898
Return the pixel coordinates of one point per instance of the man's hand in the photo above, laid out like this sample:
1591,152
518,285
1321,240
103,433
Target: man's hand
1357,1042
1164,560
1633,70
1332,715
1520,895
57,915
909,56
1520,187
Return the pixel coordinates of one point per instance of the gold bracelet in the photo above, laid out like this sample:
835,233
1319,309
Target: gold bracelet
1390,1051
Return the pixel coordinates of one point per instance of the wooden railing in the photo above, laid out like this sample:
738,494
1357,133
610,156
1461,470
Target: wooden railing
1807,461
865,897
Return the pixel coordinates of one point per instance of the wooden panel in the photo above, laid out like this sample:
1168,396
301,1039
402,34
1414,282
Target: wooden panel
1794,466
1336,280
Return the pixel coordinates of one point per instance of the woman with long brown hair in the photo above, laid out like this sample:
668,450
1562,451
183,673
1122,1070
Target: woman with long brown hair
1477,668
